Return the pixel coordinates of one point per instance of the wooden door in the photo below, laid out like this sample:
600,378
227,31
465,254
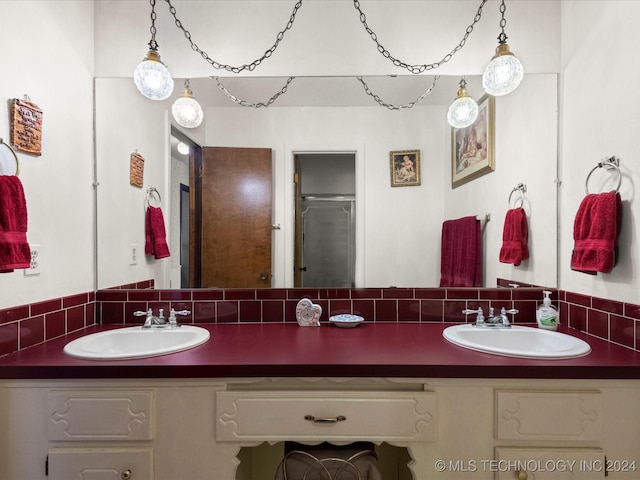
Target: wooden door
235,191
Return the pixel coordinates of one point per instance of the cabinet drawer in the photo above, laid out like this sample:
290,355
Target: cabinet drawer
548,463
331,416
100,463
548,415
100,415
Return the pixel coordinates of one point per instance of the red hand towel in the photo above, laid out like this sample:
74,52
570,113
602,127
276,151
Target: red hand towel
461,253
514,237
595,233
14,248
155,234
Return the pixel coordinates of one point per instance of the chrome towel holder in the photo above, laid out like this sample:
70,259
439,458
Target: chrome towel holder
13,152
609,163
522,188
152,192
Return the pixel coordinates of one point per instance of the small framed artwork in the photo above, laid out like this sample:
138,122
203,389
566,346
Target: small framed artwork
405,168
472,147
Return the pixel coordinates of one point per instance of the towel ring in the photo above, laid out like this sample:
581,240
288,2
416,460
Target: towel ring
522,188
152,191
611,162
2,142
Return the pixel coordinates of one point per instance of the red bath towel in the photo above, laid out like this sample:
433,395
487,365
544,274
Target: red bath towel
155,234
514,237
14,248
461,253
595,233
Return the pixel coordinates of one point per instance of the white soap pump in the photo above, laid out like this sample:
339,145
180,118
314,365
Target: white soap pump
547,314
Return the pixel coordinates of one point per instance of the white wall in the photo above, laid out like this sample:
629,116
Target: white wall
46,52
600,118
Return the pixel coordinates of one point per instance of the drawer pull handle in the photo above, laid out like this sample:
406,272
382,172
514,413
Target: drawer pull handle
339,418
522,475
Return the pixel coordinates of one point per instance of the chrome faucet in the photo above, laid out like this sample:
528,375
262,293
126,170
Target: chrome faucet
151,321
493,321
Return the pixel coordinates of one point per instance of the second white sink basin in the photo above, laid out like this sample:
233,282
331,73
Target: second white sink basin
517,341
136,342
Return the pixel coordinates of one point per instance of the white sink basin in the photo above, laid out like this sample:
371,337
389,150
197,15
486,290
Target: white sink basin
517,341
136,342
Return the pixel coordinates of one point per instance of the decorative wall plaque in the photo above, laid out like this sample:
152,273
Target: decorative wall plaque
136,170
26,126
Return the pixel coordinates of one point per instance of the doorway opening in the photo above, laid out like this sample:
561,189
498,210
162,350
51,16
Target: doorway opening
183,150
325,220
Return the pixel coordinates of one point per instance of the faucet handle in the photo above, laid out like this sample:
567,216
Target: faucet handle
468,311
172,317
513,311
139,313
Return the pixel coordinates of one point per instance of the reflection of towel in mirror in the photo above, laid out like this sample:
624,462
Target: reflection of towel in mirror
514,237
155,234
14,248
595,233
461,253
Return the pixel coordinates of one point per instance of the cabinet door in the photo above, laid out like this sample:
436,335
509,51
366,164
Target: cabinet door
101,463
547,463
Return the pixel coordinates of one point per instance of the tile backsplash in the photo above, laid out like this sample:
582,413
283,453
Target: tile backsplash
28,325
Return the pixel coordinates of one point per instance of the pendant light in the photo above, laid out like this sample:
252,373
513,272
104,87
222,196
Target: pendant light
186,109
151,76
504,72
464,109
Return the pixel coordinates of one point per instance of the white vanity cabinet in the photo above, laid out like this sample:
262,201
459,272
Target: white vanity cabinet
202,429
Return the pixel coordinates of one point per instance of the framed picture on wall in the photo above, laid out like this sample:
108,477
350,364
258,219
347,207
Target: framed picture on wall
472,147
405,168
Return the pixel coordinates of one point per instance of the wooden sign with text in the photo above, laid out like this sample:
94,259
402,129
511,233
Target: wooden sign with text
136,170
26,126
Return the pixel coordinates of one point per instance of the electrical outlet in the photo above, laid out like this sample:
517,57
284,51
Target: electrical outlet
36,261
133,254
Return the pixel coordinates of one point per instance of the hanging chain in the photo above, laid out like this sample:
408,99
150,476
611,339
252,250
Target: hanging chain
220,66
419,68
502,38
398,107
253,105
153,45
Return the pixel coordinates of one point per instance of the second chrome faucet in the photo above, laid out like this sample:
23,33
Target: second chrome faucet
493,321
151,321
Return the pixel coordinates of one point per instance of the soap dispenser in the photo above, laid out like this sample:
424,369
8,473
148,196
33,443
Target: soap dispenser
547,314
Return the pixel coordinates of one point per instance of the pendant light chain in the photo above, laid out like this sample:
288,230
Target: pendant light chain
244,103
398,107
153,45
502,38
419,68
220,66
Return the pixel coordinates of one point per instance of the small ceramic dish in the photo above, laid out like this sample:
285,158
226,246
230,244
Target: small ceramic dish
346,320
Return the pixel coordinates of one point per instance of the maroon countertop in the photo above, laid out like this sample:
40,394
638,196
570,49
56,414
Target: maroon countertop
415,350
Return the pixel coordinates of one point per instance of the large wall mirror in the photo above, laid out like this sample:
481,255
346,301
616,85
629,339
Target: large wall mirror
397,230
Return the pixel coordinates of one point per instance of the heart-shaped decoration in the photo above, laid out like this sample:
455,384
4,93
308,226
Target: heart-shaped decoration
308,313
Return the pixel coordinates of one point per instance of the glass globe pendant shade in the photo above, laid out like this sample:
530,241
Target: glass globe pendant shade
187,111
463,111
152,77
504,72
